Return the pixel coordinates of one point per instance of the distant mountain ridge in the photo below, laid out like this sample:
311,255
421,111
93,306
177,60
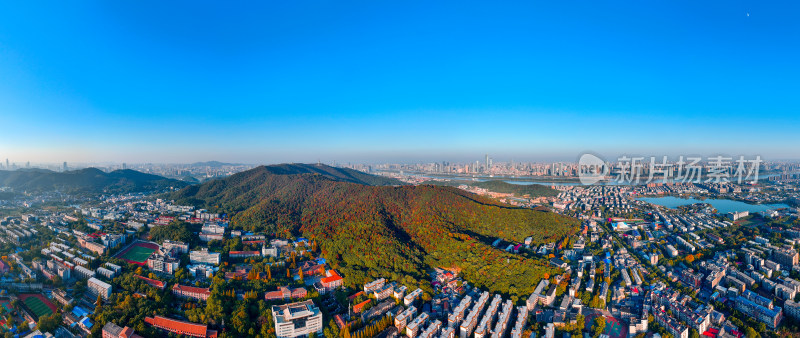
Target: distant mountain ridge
335,173
88,180
386,231
532,190
213,164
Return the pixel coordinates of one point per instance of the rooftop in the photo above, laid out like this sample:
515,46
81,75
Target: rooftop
181,326
288,312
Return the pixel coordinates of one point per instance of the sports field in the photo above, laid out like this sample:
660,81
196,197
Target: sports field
7,305
138,252
614,328
752,221
39,305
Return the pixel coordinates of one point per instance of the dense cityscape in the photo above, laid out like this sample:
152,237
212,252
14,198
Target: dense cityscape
138,263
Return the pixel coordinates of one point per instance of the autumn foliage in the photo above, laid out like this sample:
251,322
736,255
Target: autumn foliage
391,231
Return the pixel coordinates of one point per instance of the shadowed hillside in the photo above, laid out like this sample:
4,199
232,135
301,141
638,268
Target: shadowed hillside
89,180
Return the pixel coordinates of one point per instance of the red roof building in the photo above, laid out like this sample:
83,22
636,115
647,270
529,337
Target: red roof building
360,306
164,220
181,327
333,280
311,269
191,292
339,321
244,254
152,282
353,296
284,293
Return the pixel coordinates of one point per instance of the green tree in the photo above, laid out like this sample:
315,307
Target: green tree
598,326
49,323
174,231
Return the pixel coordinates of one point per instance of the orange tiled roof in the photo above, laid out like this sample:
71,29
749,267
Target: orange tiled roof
152,282
244,253
191,289
334,276
357,308
179,326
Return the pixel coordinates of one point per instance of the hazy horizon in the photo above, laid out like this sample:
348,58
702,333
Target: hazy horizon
400,160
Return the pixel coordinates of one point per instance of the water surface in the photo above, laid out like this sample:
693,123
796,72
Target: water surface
722,205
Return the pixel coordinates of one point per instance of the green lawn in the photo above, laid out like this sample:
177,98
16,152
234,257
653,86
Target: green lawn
138,254
37,306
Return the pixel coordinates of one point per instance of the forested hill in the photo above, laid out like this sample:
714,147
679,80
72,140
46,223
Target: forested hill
89,180
389,231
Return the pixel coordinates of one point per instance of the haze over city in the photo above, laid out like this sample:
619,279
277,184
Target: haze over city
376,82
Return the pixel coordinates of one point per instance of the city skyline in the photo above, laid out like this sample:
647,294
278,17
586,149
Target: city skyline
376,83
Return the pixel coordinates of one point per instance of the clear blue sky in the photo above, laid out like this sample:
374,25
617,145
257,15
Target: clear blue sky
169,81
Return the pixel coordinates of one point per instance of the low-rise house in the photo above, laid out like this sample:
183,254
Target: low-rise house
191,292
111,330
284,293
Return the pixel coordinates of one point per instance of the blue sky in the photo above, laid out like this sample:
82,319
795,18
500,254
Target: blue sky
396,81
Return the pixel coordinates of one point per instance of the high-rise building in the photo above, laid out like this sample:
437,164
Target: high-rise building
297,319
785,256
65,165
99,287
487,162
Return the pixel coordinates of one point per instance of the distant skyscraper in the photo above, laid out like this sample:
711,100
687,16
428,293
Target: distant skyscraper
124,166
28,164
487,161
7,166
65,165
